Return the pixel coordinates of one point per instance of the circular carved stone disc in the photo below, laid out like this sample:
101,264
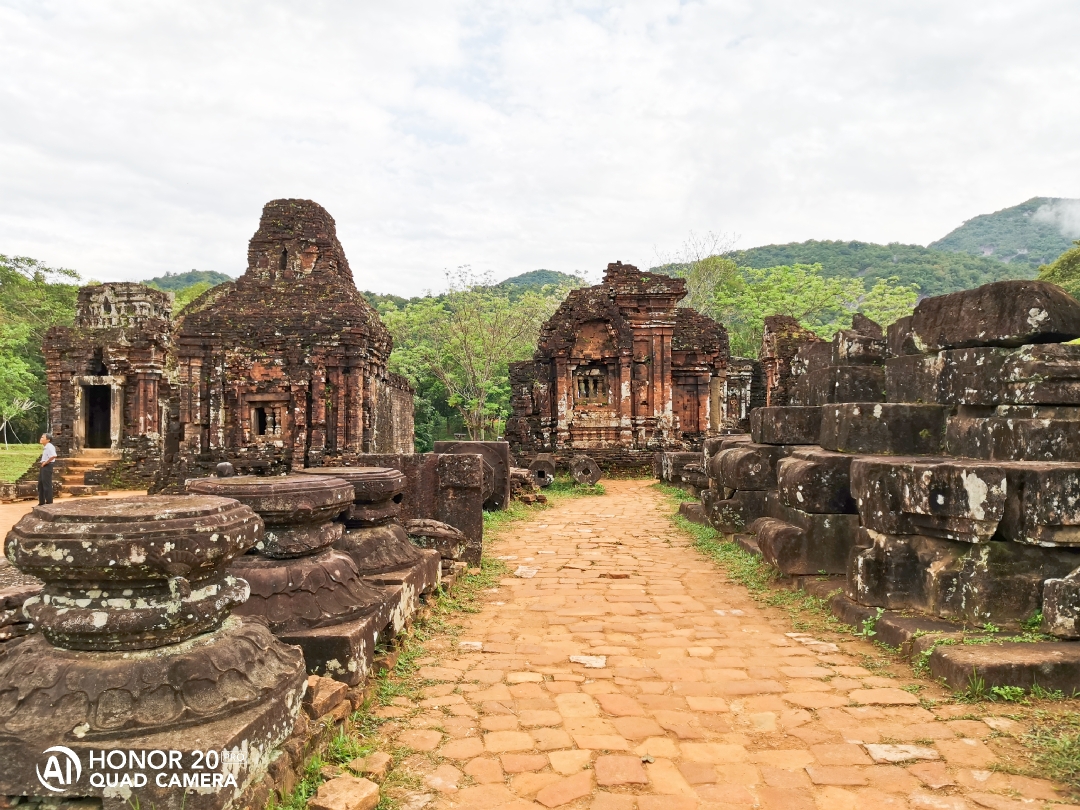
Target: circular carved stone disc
131,539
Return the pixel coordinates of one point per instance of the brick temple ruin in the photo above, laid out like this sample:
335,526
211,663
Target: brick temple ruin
242,375
931,471
620,371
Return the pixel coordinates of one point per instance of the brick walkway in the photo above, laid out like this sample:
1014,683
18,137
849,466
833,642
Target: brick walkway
692,695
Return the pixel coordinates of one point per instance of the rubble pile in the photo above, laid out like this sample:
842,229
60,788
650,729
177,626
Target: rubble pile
936,467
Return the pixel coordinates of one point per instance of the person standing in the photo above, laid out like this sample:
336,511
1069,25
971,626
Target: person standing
44,481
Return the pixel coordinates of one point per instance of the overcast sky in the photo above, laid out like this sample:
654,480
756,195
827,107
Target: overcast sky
143,137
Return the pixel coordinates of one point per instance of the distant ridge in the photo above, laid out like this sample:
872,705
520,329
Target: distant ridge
172,282
1033,233
935,271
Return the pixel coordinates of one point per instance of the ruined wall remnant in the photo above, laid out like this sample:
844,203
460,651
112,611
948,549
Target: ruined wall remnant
107,381
936,467
285,367
620,369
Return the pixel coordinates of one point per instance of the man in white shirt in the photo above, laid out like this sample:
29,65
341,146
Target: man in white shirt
44,481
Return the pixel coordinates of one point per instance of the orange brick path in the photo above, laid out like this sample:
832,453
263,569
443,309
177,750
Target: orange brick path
703,700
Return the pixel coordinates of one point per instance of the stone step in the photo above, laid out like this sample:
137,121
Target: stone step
85,489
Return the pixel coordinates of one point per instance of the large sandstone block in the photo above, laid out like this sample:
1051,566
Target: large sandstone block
900,339
816,481
913,378
785,424
882,428
949,499
1043,503
1003,313
748,466
905,572
852,347
1061,606
840,384
799,543
998,582
1015,433
735,513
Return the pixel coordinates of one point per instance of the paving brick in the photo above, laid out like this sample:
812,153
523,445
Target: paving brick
566,790
519,763
496,742
462,749
619,770
485,770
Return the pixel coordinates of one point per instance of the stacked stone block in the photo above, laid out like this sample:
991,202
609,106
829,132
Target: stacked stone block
936,465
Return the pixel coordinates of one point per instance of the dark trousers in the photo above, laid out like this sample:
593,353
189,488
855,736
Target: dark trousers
44,485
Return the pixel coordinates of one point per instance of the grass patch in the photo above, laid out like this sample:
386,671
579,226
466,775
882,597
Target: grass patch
1054,746
561,488
15,459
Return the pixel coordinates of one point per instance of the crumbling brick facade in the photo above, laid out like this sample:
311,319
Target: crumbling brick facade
285,367
106,375
619,367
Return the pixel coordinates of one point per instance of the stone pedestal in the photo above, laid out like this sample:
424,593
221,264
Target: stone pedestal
377,543
311,594
141,687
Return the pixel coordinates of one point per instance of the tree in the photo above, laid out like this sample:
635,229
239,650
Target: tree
823,305
461,343
1064,271
701,262
33,298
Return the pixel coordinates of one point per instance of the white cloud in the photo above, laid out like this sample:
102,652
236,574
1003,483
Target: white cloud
142,137
1063,215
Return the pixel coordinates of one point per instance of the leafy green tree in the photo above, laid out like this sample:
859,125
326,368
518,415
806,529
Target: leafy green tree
33,297
803,292
460,344
1065,271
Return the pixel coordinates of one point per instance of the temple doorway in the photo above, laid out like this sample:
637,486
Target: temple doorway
97,400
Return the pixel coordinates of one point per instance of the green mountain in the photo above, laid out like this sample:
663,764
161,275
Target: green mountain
1030,234
935,271
538,279
174,282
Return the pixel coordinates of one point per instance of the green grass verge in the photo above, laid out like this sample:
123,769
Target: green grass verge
15,459
1054,744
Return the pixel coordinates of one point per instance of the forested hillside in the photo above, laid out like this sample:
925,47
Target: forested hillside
934,271
1030,234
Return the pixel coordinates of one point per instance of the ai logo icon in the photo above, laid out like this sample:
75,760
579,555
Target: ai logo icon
62,769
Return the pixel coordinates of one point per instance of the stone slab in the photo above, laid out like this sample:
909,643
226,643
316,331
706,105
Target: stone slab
748,466
883,428
734,514
802,544
1002,313
497,455
1051,665
840,384
952,499
1011,438
913,378
785,424
816,481
1043,503
997,582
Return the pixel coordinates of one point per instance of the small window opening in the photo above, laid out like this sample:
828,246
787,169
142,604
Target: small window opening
591,386
284,261
260,422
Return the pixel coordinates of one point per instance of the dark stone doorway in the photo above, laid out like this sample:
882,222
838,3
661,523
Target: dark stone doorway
98,400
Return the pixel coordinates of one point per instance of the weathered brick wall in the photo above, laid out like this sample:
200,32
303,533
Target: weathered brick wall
619,366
